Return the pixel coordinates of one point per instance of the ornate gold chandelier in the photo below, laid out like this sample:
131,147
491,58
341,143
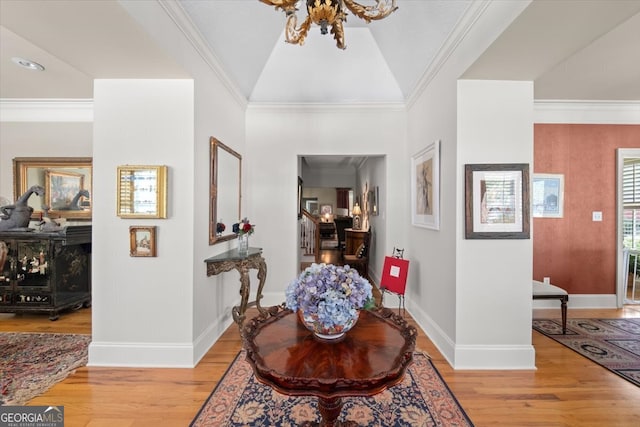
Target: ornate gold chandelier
327,13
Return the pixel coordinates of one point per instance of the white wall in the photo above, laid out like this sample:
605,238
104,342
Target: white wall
433,285
142,307
371,174
493,277
275,138
218,111
40,139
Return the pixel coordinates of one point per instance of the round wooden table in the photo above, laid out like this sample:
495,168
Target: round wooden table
372,356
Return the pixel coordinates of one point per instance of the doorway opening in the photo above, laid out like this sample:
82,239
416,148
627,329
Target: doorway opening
628,227
337,193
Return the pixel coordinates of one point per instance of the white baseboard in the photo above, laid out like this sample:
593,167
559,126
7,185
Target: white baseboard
498,357
440,339
208,338
147,355
160,355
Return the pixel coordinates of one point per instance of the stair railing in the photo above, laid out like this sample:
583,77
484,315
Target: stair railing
310,235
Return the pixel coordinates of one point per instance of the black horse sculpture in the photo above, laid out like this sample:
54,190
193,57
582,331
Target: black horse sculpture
18,214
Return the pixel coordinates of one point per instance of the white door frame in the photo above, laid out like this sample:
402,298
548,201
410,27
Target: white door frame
621,276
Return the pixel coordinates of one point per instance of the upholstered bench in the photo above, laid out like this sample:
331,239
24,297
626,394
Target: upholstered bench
547,291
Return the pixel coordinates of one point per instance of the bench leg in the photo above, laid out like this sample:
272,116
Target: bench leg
563,308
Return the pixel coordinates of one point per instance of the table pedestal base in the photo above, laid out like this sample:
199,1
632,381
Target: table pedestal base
330,410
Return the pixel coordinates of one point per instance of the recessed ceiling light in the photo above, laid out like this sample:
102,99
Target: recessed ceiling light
26,63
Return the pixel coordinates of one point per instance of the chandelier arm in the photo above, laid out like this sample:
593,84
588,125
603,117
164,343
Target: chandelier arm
338,34
295,35
285,5
382,9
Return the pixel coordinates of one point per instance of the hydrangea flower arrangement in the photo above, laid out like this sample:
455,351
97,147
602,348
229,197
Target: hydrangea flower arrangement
331,294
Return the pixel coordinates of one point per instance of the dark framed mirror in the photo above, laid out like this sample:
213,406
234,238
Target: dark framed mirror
225,170
67,182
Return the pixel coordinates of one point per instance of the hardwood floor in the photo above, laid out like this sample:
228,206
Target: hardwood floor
565,390
330,255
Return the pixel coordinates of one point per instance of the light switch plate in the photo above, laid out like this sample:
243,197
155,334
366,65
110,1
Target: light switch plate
597,216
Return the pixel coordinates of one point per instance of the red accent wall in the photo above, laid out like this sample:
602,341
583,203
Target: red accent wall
578,254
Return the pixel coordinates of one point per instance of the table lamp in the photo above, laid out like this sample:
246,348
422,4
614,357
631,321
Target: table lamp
356,212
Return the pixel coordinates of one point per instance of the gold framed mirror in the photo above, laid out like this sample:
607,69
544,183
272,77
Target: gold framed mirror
67,182
225,176
142,192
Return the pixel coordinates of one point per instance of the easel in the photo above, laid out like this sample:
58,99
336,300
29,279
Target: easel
394,276
398,253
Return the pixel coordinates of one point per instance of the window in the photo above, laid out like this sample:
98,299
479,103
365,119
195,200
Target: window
631,203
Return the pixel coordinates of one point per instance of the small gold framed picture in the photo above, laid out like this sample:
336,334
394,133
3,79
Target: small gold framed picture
142,241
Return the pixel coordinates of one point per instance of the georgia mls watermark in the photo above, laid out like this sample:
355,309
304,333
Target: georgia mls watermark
31,416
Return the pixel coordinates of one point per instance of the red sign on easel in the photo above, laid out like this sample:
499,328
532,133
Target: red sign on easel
394,274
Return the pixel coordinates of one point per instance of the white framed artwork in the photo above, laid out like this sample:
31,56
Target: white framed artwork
425,187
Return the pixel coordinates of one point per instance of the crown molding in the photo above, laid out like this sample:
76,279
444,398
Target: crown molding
468,20
318,108
81,110
177,14
586,112
46,110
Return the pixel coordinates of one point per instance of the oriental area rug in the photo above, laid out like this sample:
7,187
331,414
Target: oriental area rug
31,363
611,343
422,399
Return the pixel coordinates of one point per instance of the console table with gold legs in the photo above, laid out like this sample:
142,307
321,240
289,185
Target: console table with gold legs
230,260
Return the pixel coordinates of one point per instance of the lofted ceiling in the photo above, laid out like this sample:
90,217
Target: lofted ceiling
571,49
383,61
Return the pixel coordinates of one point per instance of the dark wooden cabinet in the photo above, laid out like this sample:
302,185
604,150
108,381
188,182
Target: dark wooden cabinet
45,272
353,239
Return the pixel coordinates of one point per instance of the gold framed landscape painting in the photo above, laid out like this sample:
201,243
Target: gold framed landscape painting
60,177
497,201
63,190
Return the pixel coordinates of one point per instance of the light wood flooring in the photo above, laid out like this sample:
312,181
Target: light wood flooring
565,390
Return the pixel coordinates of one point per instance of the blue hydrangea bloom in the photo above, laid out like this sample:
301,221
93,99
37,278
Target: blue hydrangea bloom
331,294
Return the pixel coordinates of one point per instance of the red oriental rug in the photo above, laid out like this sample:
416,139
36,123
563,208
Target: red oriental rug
31,363
422,399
